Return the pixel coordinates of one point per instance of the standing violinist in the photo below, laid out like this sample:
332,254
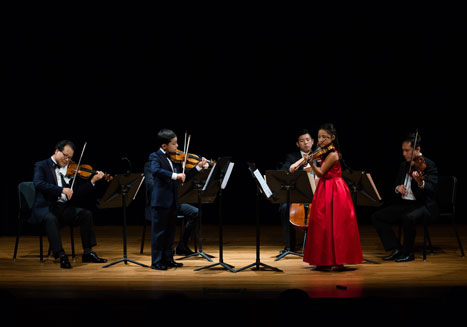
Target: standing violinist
304,143
55,203
333,238
414,191
166,175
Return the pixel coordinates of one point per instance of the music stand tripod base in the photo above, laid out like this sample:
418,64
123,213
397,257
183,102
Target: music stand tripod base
223,264
280,256
203,254
115,196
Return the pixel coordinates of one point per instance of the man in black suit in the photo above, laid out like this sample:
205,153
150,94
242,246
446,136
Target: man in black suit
55,203
304,142
166,176
415,200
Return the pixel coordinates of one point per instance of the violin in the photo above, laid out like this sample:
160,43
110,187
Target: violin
83,171
317,154
191,159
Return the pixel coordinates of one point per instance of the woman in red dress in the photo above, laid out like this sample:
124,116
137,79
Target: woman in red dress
333,238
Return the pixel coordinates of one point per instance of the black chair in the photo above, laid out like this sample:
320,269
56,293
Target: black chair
26,195
447,198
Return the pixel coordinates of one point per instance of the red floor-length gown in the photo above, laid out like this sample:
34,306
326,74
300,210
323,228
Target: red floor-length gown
332,237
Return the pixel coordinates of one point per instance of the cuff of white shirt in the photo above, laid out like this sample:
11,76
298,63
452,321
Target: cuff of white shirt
174,176
423,185
198,168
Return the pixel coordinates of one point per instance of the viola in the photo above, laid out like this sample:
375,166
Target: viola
418,164
191,159
83,171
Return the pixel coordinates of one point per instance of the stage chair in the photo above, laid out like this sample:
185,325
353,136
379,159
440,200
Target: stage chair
447,199
26,196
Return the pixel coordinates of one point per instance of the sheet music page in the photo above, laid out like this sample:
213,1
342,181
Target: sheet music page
373,185
209,177
312,182
227,175
262,182
141,183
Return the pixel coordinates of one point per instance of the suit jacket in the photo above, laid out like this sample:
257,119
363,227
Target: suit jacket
48,191
165,189
290,159
427,194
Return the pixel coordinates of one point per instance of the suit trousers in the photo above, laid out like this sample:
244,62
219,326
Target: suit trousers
288,231
163,226
60,215
406,212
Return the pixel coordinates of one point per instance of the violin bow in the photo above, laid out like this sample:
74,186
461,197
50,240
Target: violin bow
186,153
413,152
77,167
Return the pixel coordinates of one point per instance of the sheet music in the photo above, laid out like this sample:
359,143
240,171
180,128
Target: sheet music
312,182
141,183
262,182
227,175
209,177
373,185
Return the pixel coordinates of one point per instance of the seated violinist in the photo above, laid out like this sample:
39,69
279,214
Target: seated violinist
55,203
414,191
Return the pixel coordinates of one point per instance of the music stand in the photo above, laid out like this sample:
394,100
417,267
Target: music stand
198,190
220,177
121,191
363,191
260,189
287,188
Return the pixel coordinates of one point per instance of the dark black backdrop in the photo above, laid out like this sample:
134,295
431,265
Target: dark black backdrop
241,82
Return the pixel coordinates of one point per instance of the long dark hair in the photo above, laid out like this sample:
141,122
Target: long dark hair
329,127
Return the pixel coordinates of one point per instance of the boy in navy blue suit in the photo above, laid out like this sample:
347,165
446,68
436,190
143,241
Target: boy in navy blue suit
167,176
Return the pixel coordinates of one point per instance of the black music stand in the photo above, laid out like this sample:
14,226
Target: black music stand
363,191
259,190
121,191
194,191
218,182
287,188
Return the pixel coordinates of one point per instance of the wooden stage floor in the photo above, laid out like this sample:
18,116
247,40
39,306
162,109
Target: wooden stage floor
132,293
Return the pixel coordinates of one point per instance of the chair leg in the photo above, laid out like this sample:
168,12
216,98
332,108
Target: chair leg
17,241
72,240
424,243
454,225
41,248
143,238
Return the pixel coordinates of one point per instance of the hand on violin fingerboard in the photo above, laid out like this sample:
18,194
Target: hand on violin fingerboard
98,176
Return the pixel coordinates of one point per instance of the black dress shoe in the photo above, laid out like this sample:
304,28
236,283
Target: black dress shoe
92,257
406,258
396,253
64,263
183,250
172,264
159,266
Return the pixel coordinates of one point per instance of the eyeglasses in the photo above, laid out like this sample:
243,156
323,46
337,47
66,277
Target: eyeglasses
66,156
